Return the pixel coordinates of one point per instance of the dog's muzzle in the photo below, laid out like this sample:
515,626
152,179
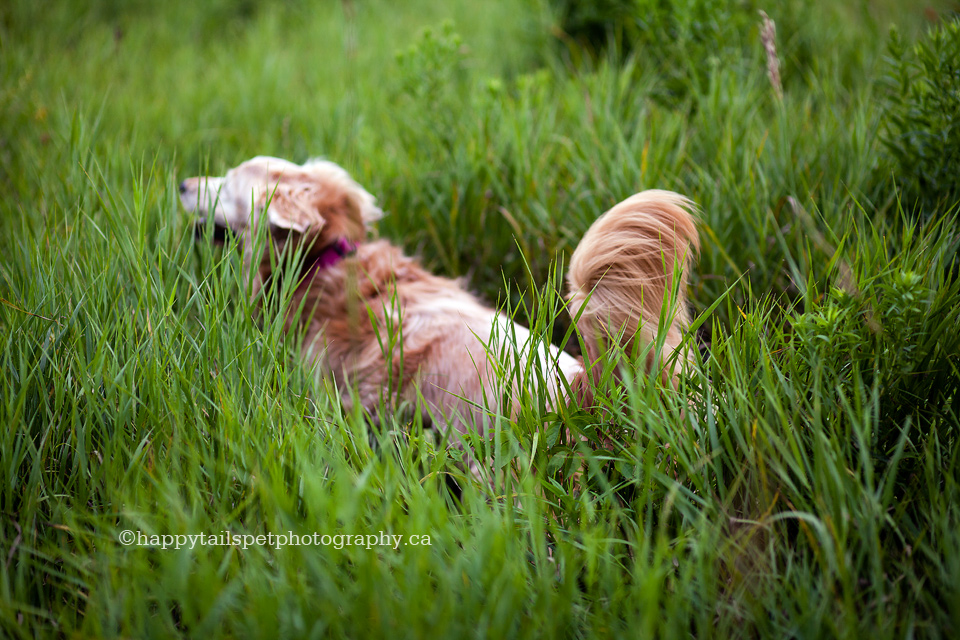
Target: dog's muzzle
219,233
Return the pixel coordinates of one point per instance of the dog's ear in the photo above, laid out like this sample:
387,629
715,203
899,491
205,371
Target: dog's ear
319,211
347,207
292,208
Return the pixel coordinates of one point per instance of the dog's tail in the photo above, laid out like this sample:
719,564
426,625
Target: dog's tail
629,271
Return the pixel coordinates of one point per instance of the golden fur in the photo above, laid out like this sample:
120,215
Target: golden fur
622,274
376,322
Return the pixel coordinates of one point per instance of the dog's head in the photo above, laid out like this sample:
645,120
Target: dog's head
316,205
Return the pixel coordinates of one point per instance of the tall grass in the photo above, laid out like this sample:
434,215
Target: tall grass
802,480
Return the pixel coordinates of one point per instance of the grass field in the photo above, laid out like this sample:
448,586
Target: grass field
803,481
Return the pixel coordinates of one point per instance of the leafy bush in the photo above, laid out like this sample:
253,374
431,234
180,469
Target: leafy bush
922,124
683,40
433,65
891,337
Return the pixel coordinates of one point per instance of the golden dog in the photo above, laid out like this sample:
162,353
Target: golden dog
626,278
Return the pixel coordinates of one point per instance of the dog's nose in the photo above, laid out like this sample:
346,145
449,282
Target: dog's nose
183,187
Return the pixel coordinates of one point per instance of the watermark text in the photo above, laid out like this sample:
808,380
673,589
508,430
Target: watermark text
368,541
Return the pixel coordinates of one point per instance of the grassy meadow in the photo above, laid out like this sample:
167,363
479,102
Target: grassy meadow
802,481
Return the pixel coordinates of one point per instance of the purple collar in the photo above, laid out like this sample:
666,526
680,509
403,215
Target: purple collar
331,255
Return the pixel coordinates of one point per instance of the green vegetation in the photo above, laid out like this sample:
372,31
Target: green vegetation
803,481
923,117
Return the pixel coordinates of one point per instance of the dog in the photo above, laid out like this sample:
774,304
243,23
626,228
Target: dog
376,322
